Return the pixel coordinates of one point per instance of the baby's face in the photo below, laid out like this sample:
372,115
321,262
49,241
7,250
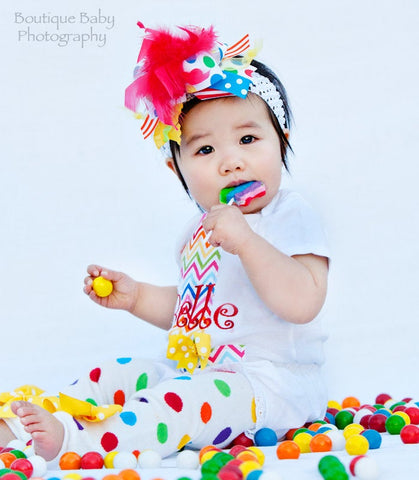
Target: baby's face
226,142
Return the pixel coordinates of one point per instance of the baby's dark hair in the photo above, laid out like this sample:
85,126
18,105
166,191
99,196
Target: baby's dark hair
266,72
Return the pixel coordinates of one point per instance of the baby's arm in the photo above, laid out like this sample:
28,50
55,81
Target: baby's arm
294,288
154,304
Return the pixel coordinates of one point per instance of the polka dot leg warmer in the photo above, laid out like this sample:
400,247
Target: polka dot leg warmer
206,408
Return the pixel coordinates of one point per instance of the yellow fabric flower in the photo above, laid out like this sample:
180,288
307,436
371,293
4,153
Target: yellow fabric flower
190,349
64,403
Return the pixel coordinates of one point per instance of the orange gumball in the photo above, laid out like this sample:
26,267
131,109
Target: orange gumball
315,426
288,450
207,448
129,474
321,443
70,461
111,476
349,402
7,458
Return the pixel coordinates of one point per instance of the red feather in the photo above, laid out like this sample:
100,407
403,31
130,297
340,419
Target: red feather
162,80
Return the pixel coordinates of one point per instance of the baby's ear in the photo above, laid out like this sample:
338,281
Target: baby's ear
171,164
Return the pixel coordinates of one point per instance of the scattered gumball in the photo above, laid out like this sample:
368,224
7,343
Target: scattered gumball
230,472
16,445
410,434
373,437
236,449
382,398
72,476
413,413
303,440
125,460
187,459
70,461
357,445
288,449
129,474
91,460
149,459
350,402
12,476
102,286
362,412
352,429
334,404
247,456
23,465
265,437
244,440
377,422
343,419
320,443
254,475
18,453
338,440
7,458
259,454
207,448
39,465
404,415
364,468
249,466
331,468
108,459
394,424
110,476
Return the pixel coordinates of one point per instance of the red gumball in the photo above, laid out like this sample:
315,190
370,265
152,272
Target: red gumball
23,465
377,422
236,449
92,460
244,440
11,476
382,398
354,461
365,421
413,413
410,434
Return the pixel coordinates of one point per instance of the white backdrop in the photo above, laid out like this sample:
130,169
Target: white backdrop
78,185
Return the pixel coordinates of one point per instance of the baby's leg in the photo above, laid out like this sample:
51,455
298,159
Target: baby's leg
46,431
207,408
116,381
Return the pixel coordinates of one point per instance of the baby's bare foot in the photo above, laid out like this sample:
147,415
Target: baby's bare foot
47,432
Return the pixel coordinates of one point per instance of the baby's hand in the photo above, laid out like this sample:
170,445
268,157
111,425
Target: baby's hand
228,228
124,293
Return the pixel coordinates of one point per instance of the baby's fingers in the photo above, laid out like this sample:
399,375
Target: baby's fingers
94,270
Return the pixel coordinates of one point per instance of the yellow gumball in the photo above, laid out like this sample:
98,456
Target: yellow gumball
352,429
357,445
102,287
404,415
108,460
258,452
303,440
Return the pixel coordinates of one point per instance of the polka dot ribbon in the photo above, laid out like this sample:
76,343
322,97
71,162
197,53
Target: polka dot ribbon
189,350
216,71
76,408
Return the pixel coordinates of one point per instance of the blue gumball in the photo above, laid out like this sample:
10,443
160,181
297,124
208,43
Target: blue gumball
265,437
373,437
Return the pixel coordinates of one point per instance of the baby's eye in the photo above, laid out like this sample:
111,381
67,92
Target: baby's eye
205,150
247,139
